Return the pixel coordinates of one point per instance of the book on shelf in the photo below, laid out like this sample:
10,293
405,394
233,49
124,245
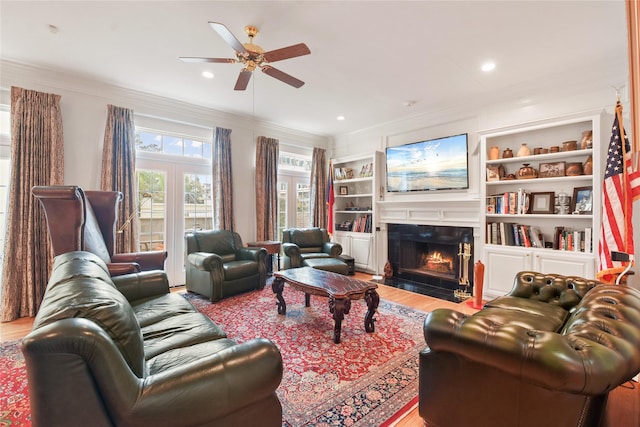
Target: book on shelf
362,224
511,202
530,236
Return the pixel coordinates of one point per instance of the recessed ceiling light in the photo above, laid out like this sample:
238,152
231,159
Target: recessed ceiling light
340,118
207,74
488,66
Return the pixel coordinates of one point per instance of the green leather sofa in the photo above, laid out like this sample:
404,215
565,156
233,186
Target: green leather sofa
546,354
124,351
218,265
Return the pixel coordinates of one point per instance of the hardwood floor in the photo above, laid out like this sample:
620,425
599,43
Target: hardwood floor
622,409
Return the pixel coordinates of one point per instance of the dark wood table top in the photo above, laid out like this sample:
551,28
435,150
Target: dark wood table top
272,246
325,282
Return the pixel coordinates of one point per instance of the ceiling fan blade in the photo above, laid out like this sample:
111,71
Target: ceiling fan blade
287,52
198,59
228,36
282,76
243,79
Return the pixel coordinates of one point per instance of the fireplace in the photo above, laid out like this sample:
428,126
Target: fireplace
430,259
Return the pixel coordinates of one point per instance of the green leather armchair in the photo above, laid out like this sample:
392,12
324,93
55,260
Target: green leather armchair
300,244
217,265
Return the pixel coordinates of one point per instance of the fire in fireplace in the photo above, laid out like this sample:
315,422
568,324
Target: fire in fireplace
437,256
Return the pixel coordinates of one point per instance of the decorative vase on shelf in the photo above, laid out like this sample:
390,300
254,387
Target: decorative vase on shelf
524,151
494,153
588,166
527,172
507,154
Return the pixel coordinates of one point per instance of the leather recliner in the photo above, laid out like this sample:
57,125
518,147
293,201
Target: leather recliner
546,354
217,265
81,220
300,244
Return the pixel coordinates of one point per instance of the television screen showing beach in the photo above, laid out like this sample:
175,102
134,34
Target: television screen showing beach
439,164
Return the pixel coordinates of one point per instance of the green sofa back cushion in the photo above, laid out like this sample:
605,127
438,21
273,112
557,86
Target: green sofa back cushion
79,288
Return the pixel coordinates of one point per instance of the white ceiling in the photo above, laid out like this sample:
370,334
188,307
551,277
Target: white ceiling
368,58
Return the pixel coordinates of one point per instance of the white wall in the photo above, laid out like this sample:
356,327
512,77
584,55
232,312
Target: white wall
474,118
84,110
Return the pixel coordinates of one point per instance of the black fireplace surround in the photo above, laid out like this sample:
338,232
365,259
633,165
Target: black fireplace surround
427,259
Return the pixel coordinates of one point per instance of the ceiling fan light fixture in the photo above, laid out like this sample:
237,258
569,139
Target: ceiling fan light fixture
340,118
253,56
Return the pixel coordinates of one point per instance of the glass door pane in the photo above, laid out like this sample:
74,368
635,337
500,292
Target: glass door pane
198,209
151,215
303,212
282,208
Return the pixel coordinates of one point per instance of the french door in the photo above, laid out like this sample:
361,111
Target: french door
293,202
175,197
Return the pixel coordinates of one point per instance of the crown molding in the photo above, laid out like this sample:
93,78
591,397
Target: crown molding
27,75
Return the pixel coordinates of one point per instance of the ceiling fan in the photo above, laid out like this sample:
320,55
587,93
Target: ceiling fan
253,56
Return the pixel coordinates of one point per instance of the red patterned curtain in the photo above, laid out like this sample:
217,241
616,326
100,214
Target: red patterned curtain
37,158
318,188
222,184
119,172
266,188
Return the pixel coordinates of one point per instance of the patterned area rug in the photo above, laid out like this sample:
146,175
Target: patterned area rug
365,380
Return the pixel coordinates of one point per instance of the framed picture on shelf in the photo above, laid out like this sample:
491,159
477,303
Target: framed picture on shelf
493,173
344,190
582,200
542,203
550,170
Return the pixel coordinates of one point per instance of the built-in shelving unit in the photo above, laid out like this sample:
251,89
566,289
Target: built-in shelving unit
356,188
524,228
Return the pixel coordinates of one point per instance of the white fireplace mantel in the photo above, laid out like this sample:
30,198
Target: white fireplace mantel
456,213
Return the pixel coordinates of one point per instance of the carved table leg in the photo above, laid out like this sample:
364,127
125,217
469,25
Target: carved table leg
338,307
373,299
278,286
307,300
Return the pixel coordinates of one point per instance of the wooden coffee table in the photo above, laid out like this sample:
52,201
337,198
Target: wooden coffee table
340,289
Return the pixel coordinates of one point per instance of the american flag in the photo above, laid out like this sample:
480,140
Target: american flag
330,199
620,188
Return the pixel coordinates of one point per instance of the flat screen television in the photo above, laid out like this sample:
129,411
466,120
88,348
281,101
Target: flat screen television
435,164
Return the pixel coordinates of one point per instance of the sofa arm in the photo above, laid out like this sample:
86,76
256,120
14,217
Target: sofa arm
566,363
333,249
292,251
152,260
197,392
142,285
205,261
120,268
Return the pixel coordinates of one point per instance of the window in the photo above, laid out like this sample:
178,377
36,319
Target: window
294,176
153,142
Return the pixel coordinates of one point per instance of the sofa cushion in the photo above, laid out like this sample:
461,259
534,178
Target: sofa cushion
183,355
528,313
239,269
307,237
179,331
74,295
157,308
311,253
493,317
220,242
